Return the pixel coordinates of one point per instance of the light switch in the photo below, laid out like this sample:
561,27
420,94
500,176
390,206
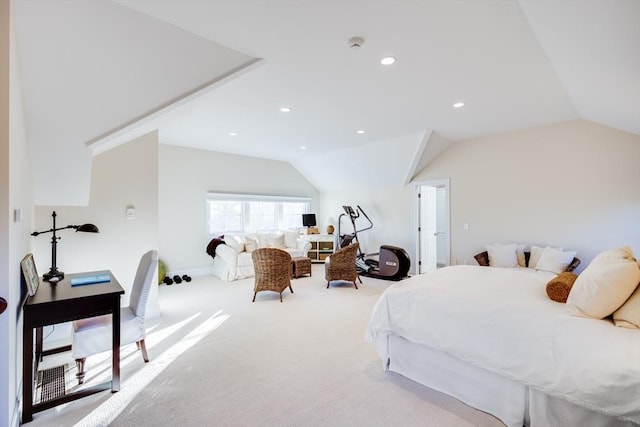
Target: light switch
465,226
131,212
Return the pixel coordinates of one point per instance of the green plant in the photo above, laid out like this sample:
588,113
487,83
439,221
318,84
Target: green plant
162,271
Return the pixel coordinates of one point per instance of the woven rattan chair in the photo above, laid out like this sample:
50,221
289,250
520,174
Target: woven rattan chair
341,265
273,270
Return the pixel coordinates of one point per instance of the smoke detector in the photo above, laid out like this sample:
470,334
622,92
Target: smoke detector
355,42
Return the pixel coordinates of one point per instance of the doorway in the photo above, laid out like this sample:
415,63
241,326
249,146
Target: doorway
432,220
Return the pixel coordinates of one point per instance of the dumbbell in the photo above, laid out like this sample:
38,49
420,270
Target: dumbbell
167,280
186,278
177,279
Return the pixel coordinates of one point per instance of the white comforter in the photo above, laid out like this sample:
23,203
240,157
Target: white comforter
501,319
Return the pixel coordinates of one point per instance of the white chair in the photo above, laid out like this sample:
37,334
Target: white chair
93,335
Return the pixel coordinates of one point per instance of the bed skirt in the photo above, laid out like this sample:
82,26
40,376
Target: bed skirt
515,404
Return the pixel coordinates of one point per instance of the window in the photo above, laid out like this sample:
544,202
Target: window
245,213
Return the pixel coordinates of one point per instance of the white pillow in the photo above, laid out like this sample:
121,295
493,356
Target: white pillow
628,315
554,260
536,252
604,285
235,242
522,261
502,255
250,244
276,241
291,239
263,240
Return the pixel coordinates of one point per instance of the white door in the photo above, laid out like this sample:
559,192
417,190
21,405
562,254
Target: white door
428,230
433,225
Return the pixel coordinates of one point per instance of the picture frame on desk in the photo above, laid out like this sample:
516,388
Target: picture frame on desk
30,274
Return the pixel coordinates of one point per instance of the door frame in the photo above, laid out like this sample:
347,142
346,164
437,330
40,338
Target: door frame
415,220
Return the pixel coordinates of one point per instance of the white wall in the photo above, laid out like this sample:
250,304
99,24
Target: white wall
15,193
124,176
574,184
186,175
389,208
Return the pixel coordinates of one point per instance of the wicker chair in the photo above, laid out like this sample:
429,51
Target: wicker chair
273,270
341,265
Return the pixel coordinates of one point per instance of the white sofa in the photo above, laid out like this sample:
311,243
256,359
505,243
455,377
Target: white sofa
233,261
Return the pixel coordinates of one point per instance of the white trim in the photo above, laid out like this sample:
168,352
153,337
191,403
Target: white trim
193,272
417,157
255,197
146,122
415,212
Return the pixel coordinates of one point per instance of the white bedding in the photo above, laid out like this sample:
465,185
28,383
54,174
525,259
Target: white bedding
501,319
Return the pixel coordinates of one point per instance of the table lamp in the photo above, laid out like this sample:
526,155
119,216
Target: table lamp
55,275
330,227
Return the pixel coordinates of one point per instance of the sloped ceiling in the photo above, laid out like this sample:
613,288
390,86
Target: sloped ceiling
515,64
87,68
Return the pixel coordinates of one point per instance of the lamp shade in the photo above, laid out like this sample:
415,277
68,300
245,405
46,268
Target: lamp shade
88,228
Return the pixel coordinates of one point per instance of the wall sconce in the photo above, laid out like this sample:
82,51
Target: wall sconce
55,275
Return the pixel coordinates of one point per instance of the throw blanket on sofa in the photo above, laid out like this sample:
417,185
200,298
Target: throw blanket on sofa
213,244
501,319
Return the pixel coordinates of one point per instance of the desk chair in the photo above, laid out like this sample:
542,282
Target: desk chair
93,335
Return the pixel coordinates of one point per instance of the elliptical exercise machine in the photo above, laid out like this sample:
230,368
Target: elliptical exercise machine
393,262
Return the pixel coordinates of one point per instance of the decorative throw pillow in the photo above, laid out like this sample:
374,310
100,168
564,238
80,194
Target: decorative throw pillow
554,260
250,244
522,261
559,287
235,242
276,241
482,259
536,253
263,239
502,255
291,239
628,315
606,283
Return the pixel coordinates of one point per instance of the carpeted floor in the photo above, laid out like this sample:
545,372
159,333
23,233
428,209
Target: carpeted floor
219,359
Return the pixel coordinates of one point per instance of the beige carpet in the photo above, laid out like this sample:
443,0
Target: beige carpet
219,359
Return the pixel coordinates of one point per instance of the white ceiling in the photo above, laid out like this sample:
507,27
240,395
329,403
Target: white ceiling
515,64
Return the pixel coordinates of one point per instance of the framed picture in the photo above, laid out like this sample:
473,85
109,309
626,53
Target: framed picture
30,274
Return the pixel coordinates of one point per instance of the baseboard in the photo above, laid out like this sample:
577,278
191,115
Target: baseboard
193,272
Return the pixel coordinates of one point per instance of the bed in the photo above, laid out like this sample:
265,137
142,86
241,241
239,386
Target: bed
493,339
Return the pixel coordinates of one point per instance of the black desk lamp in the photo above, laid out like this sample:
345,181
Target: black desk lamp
54,275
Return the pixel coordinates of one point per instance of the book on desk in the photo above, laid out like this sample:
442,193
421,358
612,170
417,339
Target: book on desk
90,280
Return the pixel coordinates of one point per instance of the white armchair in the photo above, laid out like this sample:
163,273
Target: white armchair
233,260
93,335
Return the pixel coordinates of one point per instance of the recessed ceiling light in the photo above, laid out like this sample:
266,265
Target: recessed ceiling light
303,147
285,109
458,105
233,134
360,131
387,60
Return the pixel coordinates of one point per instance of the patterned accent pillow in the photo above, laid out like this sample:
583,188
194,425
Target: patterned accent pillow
482,258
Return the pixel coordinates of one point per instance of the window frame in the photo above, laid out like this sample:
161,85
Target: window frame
245,199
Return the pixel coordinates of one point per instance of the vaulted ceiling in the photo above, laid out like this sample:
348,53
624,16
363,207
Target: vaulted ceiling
98,73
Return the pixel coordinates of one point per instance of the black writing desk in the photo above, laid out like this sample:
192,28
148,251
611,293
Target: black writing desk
58,303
